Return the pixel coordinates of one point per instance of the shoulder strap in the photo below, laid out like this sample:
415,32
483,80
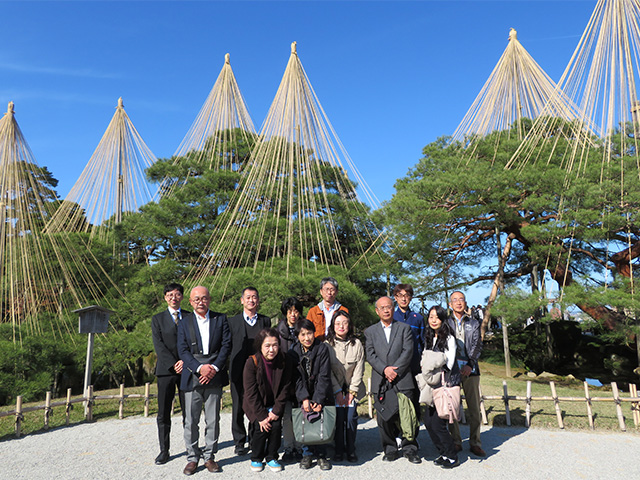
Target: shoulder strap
255,360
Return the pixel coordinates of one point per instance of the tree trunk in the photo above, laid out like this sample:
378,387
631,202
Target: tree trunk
498,281
498,286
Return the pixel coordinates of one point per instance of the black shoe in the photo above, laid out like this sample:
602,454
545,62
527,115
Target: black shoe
413,457
450,462
240,450
440,461
162,458
337,457
390,457
307,462
352,458
288,456
324,464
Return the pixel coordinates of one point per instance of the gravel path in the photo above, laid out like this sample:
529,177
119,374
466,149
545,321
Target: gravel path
126,449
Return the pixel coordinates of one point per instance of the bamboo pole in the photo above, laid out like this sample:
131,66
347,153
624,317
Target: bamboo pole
47,410
483,411
527,407
635,406
19,416
589,410
556,402
616,398
121,401
506,402
89,404
370,403
68,407
147,387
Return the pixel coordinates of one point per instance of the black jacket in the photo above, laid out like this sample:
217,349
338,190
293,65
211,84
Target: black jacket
316,386
287,339
472,340
164,332
241,344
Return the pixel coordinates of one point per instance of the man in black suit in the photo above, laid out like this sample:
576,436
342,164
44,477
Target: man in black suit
204,344
164,330
389,350
244,328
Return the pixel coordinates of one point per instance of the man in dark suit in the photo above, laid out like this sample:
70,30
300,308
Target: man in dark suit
389,350
204,344
164,330
244,328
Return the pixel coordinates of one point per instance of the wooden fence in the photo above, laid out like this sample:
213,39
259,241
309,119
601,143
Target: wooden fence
89,400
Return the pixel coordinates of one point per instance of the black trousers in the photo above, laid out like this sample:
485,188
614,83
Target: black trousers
238,429
439,433
389,431
265,445
346,428
167,386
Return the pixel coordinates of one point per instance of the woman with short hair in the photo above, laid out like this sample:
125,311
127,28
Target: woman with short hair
291,309
267,380
312,384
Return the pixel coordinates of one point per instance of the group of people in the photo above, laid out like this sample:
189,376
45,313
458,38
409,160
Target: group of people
304,365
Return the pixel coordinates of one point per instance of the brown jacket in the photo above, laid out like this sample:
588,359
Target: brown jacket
258,398
317,317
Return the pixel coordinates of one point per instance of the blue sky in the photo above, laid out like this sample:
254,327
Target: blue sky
391,76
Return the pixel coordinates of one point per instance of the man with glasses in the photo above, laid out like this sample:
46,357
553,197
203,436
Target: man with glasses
164,331
322,313
389,349
468,348
204,343
403,294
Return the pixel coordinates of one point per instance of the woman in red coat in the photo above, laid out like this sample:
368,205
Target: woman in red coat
267,386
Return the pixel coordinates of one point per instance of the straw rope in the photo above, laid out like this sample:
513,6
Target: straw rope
112,184
293,188
39,273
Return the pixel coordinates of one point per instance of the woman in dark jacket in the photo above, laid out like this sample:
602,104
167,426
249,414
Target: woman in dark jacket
312,383
439,338
267,379
291,309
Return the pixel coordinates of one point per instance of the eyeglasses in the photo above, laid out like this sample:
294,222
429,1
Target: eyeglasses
402,295
200,299
457,300
385,308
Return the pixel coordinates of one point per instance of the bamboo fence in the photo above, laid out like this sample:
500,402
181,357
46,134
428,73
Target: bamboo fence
91,398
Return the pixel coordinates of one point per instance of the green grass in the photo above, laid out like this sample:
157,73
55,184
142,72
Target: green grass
543,414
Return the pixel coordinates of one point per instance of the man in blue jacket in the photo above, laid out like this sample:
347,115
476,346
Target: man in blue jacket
403,294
